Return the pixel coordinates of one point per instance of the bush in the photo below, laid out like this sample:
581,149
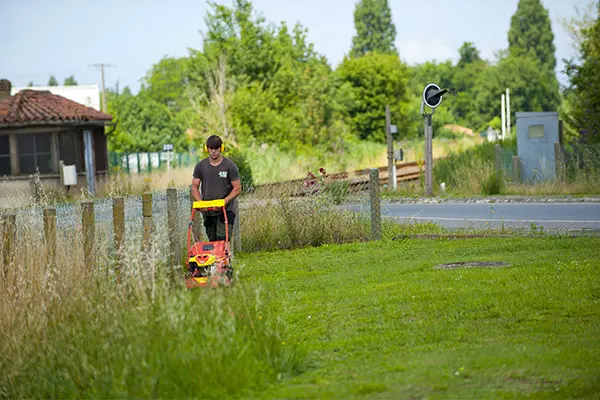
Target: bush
494,184
239,158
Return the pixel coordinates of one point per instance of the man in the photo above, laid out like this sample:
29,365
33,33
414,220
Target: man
216,177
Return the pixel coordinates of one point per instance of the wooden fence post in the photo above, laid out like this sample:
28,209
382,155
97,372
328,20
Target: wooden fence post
172,225
498,158
9,238
516,162
50,235
559,161
375,204
118,230
89,232
237,238
147,215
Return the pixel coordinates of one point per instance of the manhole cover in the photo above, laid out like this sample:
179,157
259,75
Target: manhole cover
472,264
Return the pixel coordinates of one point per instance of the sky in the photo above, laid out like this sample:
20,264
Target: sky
67,37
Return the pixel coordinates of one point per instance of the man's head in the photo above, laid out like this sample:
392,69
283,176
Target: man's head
214,146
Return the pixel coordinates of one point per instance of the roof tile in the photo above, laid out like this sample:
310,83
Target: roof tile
33,107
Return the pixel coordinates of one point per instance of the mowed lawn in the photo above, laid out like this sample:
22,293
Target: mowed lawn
378,321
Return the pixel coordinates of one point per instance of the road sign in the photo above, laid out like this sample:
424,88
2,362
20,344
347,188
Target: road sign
167,147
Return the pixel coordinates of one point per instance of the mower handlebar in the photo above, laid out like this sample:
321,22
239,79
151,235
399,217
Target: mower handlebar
208,204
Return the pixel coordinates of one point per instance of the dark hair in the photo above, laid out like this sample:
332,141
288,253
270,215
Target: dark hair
214,142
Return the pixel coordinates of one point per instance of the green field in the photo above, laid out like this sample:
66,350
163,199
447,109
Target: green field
380,322
361,320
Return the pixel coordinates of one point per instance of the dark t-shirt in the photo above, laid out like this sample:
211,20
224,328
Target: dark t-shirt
216,179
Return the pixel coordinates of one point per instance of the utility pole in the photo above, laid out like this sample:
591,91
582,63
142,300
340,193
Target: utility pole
101,66
390,151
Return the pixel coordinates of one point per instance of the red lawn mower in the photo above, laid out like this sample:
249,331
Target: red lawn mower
208,263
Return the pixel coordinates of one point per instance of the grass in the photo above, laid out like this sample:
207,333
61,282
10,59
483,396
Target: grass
380,322
74,330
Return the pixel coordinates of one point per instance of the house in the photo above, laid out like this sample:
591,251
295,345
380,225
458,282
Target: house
39,132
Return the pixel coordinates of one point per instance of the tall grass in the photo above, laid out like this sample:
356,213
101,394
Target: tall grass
71,330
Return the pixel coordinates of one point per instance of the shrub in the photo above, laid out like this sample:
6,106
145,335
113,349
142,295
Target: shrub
494,184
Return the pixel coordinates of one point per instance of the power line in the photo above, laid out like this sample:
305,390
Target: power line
102,66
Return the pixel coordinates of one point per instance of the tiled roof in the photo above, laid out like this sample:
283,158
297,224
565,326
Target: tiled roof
33,107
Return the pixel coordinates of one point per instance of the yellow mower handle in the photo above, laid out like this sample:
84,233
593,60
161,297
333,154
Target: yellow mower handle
208,204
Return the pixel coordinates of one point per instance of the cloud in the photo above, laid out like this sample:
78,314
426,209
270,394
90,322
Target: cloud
416,51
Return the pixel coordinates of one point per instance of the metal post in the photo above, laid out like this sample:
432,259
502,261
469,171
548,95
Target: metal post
90,173
428,155
375,204
503,115
508,111
88,223
390,150
50,235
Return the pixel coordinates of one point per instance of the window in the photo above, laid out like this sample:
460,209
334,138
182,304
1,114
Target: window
536,131
4,155
34,152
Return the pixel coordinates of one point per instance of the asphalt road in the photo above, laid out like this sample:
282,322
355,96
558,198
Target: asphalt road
549,216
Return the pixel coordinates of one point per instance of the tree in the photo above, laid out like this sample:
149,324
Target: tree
532,88
30,84
531,34
70,81
166,82
52,81
468,54
375,31
376,80
143,124
585,84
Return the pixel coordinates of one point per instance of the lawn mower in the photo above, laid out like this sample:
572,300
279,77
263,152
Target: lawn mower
208,263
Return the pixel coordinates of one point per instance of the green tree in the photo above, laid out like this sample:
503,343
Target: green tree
376,80
531,34
52,81
275,89
30,84
468,54
70,81
532,88
375,31
166,82
585,84
143,124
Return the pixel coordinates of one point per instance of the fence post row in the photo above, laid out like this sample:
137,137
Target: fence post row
9,238
375,204
88,222
50,235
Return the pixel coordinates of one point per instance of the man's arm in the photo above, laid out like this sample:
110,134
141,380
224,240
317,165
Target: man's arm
196,189
235,192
